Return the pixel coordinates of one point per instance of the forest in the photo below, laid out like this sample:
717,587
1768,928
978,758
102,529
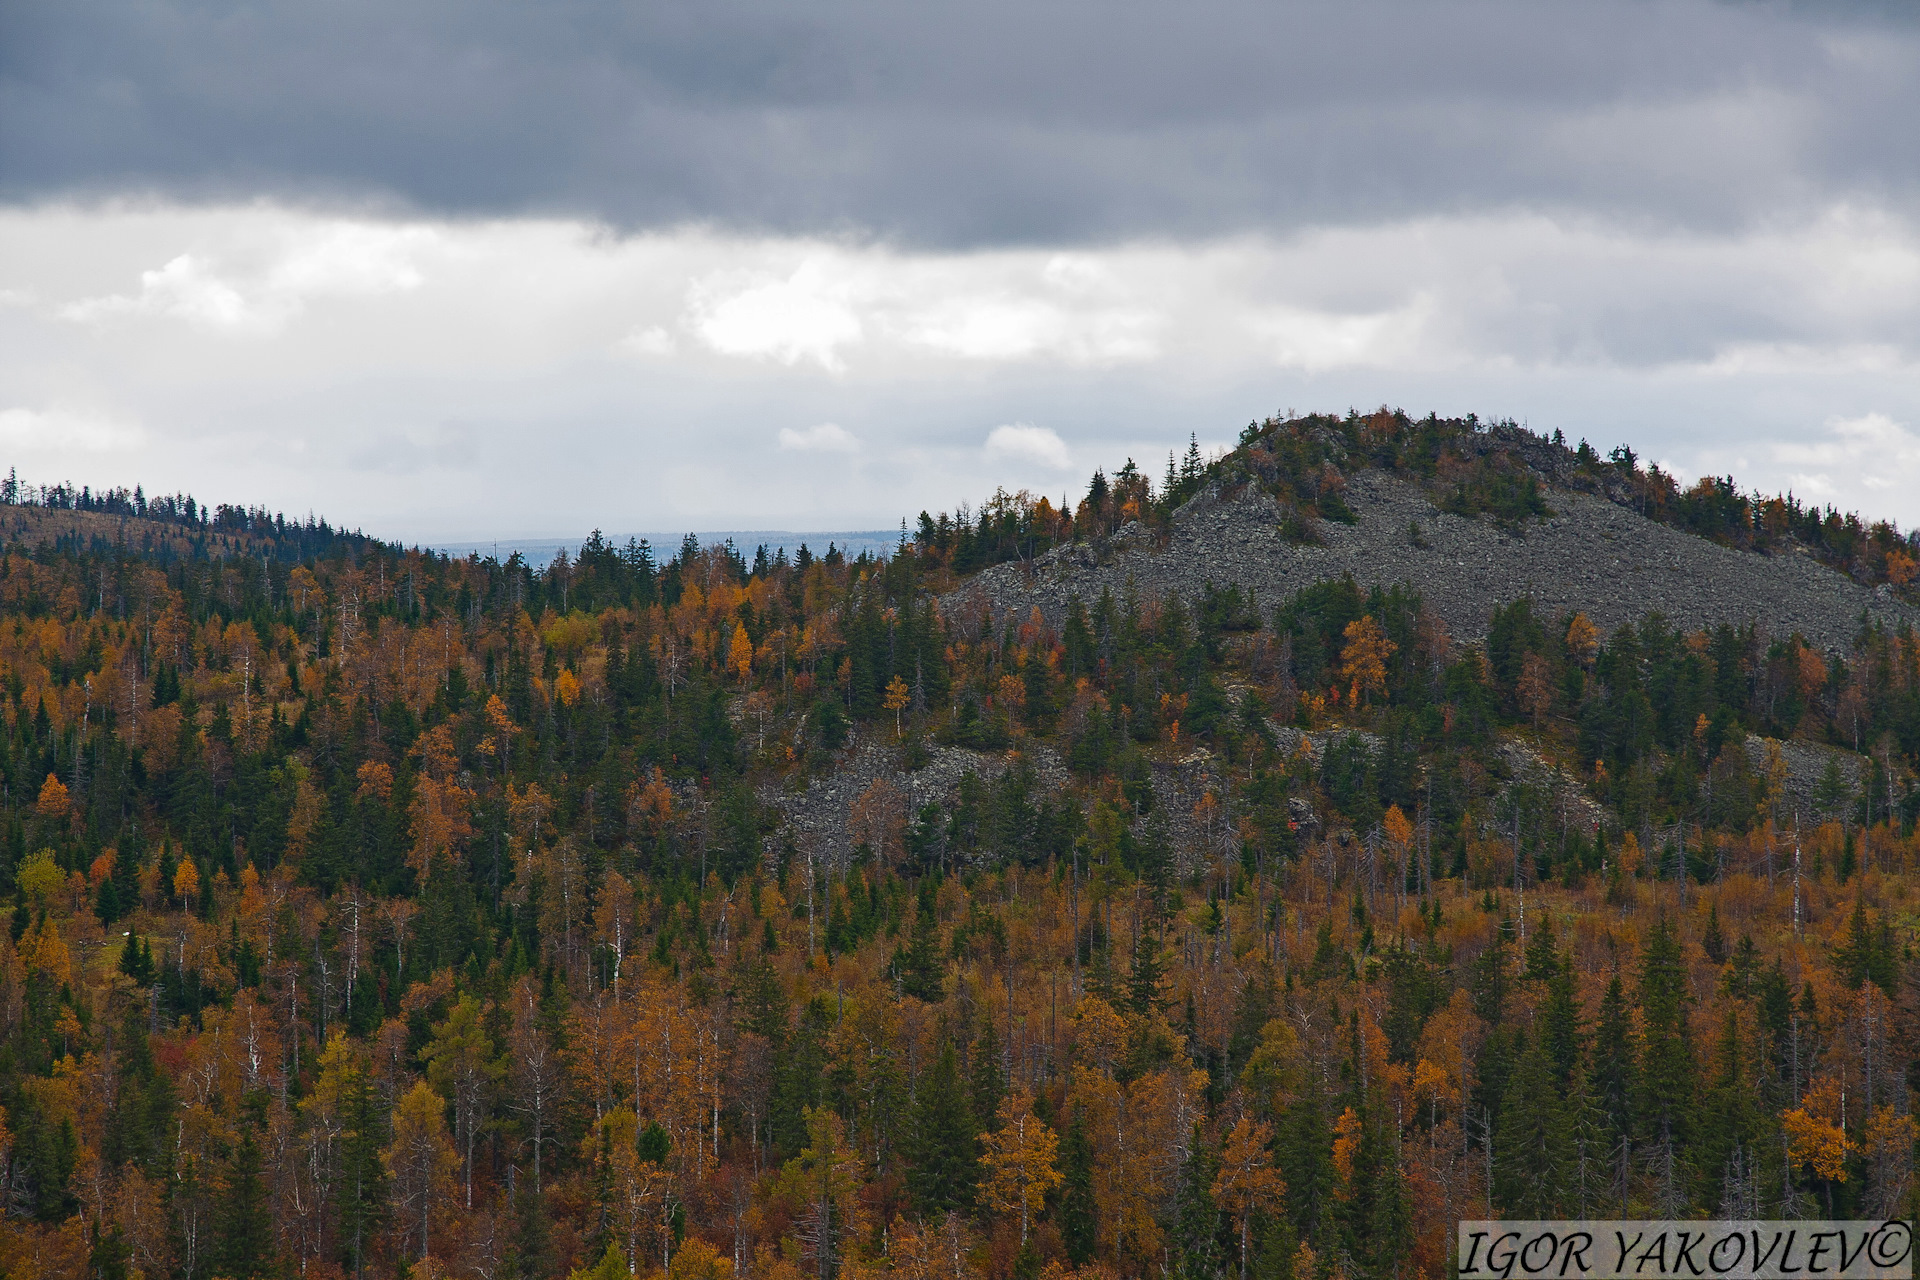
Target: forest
695,913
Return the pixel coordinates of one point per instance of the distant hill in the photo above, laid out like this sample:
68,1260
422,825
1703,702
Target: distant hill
176,527
1473,516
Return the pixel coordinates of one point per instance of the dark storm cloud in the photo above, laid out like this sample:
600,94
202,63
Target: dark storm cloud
969,124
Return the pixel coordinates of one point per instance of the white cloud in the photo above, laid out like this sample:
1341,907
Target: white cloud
1023,442
804,317
60,430
329,260
827,437
1871,450
653,340
549,340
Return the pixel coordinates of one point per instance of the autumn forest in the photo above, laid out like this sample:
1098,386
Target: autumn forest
706,911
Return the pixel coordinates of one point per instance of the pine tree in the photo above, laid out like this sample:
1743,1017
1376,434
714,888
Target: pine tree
1530,1143
245,1242
1668,1079
945,1159
987,1082
1614,1075
1196,1218
1079,1214
1560,1032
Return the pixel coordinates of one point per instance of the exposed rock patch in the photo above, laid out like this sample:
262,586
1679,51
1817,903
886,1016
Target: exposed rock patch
1591,554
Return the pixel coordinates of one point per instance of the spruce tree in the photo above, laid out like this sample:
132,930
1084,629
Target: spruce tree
1143,981
1196,1218
917,964
361,1189
1380,1215
1731,1120
945,1159
988,1081
1560,1032
1614,1075
1079,1214
1667,1076
1530,1144
244,1246
1306,1163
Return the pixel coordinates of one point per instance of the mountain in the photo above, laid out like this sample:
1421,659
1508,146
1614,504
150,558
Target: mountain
1587,548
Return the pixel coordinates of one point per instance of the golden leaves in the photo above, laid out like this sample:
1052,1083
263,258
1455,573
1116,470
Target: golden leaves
1363,660
376,781
53,803
1019,1159
1814,1135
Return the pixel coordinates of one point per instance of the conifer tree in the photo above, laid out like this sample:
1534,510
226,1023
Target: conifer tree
945,1160
1614,1075
361,1190
1079,1214
987,1079
1530,1145
1196,1224
245,1233
1560,1031
1146,975
1668,1077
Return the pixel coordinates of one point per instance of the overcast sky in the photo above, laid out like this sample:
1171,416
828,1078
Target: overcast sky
490,270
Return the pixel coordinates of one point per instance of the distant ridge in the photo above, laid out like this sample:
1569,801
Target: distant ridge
540,551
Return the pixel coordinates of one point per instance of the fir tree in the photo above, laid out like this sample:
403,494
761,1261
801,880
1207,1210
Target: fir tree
945,1160
1667,1074
986,1078
1196,1218
245,1241
1530,1145
1614,1075
1079,1214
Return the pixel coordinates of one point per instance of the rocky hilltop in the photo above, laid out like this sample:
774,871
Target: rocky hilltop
1591,553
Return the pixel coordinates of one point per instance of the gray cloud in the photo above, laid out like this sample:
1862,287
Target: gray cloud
994,122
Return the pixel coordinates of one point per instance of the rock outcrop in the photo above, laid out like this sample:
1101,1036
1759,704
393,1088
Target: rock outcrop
1591,554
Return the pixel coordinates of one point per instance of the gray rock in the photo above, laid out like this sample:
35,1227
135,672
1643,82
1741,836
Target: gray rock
1592,555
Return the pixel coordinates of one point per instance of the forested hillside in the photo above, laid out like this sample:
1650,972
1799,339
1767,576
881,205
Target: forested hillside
718,913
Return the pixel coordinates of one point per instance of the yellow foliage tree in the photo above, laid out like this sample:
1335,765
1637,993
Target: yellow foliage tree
1583,639
740,653
1814,1136
1363,660
186,881
54,802
421,1160
1247,1181
40,875
896,701
1020,1160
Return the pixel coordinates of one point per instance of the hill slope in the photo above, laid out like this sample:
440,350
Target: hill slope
1591,554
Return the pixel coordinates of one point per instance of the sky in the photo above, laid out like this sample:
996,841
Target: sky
482,270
